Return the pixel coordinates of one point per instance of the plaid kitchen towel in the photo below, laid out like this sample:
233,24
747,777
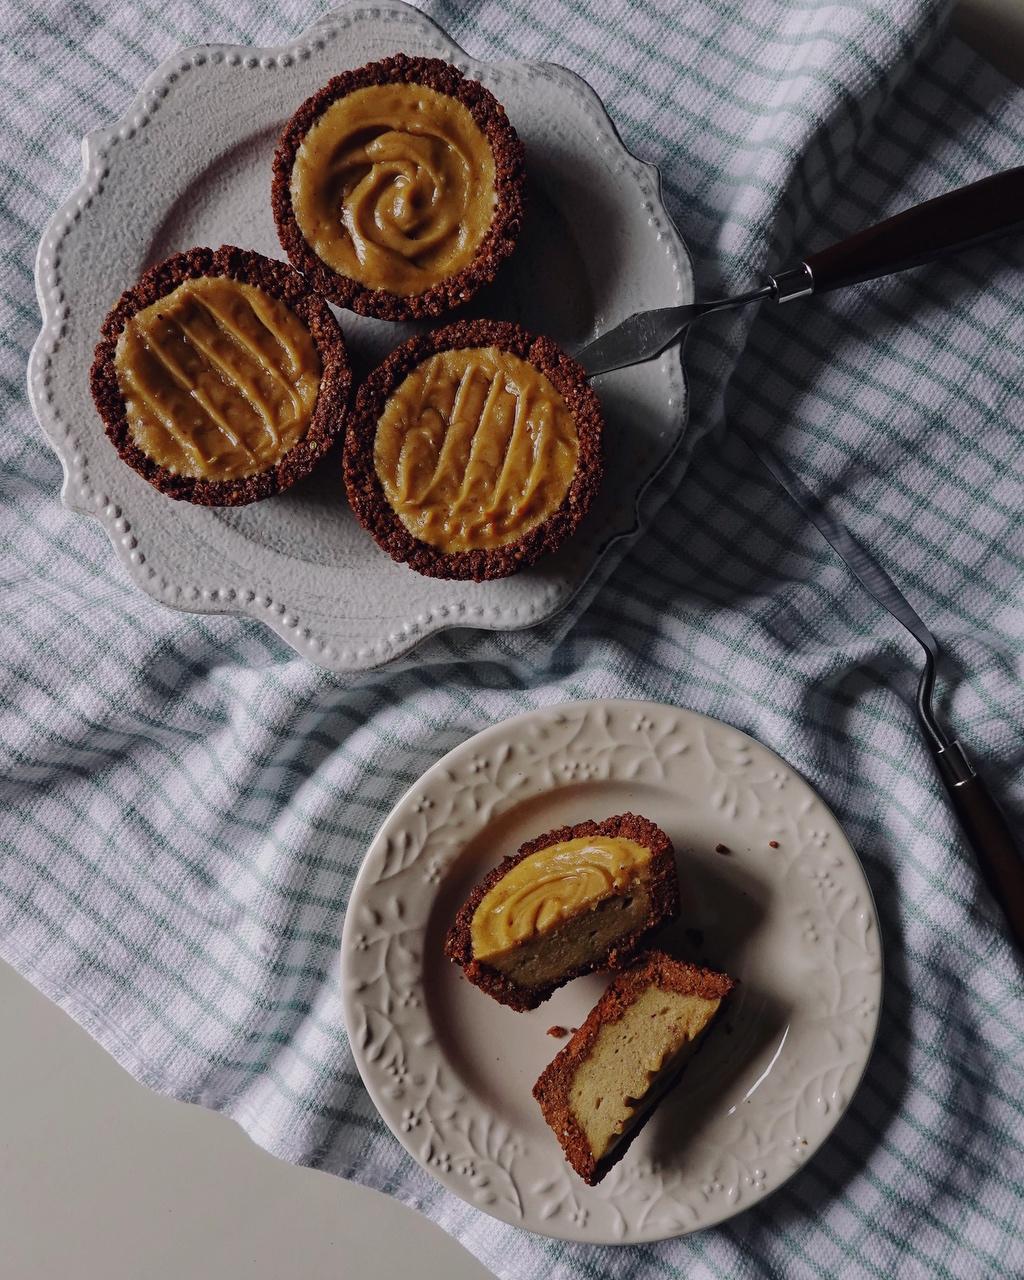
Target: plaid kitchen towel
185,802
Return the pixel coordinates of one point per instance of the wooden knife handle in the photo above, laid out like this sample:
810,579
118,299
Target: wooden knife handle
962,218
989,835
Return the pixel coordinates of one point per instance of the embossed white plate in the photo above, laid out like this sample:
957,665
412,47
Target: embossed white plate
190,164
451,1071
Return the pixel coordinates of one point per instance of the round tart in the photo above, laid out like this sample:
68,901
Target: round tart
398,188
221,377
473,450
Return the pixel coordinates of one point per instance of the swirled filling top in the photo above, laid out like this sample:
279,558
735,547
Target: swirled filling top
393,186
552,886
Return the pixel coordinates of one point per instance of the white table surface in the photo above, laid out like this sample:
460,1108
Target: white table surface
102,1180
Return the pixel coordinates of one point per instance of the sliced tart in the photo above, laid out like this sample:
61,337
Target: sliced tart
603,1086
473,450
568,902
398,188
221,377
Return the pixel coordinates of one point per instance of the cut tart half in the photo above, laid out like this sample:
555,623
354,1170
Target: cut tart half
398,188
571,901
221,377
473,450
604,1085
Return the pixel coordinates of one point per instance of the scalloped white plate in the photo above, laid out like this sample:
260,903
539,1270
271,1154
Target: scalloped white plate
450,1070
190,164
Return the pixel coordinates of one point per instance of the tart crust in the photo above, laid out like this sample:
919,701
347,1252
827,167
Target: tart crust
662,886
274,278
509,176
366,494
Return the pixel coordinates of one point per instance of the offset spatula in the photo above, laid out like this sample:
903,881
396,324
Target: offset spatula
984,826
936,229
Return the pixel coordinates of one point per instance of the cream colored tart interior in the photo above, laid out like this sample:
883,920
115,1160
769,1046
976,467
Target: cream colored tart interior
561,907
474,449
219,379
393,186
633,1060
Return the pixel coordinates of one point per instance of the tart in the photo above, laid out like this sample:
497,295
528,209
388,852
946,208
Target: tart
603,1086
568,902
221,377
473,450
398,188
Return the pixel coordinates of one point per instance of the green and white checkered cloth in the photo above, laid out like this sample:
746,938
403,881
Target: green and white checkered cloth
185,802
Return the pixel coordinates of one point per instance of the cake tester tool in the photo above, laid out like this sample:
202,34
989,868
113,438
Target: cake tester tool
984,825
924,233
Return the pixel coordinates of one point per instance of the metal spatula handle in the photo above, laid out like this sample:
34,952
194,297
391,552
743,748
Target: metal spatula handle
986,829
988,833
940,227
962,218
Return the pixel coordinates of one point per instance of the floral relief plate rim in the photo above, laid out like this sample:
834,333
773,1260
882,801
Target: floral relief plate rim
450,1071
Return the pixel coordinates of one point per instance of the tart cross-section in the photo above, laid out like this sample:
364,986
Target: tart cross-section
569,902
604,1085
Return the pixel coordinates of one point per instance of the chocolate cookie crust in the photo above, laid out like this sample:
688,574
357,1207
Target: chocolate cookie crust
366,494
274,278
509,176
552,1090
663,887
